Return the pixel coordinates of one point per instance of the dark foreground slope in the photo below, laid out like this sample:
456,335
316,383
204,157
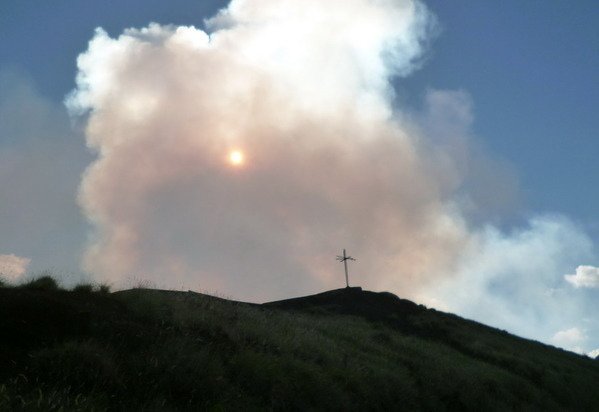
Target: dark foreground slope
341,350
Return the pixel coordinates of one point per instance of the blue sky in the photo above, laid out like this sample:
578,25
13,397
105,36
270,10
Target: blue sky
531,68
526,70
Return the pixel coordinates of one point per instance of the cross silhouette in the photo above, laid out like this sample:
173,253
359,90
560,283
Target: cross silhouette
344,259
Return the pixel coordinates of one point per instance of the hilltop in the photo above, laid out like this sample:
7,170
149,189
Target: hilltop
346,349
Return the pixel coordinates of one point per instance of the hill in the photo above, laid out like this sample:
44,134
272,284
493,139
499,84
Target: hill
347,349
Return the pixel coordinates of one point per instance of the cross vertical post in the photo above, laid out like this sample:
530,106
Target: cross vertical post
344,259
345,264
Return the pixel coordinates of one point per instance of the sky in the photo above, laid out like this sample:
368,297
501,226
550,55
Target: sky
237,148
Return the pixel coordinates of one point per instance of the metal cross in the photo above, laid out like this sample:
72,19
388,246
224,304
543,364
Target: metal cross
344,259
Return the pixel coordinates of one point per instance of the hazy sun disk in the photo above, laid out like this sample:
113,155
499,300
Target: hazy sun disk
236,158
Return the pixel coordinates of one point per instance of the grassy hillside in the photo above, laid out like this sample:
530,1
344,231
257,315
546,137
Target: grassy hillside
347,349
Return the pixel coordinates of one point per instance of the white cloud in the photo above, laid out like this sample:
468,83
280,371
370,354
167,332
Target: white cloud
585,277
571,339
13,267
594,353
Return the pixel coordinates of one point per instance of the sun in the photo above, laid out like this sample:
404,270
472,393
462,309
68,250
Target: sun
236,158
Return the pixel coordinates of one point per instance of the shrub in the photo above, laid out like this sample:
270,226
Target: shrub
105,289
143,284
42,283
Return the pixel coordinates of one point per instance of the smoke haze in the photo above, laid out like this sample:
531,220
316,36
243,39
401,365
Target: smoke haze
41,160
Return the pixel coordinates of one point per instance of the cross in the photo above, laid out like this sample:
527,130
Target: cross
344,259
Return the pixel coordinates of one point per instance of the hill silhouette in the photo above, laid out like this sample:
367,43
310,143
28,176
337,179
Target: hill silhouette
352,301
345,349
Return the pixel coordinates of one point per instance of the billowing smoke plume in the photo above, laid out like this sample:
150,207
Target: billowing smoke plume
302,90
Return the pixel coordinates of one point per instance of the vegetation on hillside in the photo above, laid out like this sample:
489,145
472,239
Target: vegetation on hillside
345,350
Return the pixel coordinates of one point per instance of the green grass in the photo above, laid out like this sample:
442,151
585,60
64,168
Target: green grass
158,351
